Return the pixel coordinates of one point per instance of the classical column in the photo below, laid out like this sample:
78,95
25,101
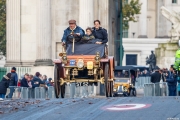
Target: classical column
143,20
160,21
86,13
13,45
43,45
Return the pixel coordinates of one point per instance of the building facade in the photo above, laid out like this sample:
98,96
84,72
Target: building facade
35,27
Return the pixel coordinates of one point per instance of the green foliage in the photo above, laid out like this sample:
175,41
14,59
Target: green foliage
129,10
3,26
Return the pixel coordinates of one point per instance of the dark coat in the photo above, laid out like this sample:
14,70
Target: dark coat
24,83
68,32
171,79
14,79
156,77
4,84
101,33
36,82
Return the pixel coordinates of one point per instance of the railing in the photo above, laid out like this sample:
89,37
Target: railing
19,70
140,81
156,89
38,92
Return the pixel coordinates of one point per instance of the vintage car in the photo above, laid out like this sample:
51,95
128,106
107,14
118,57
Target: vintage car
125,76
83,64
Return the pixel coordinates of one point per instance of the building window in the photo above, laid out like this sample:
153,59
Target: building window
125,33
174,1
131,59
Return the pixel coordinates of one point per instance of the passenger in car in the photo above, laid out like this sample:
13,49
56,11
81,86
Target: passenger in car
88,36
99,32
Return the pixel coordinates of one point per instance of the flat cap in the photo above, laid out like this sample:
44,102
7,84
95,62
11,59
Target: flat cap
72,22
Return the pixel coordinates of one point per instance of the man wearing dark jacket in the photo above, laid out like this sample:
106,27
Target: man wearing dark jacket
36,80
24,81
99,32
172,81
72,29
4,84
13,82
156,76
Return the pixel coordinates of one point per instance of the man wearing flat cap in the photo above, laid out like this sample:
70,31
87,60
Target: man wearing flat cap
72,29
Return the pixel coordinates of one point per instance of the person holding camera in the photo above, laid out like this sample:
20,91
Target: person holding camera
171,79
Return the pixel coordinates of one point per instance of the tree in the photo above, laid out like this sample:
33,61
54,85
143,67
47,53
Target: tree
3,26
129,10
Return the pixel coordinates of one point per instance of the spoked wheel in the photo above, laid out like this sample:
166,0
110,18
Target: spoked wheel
63,91
56,82
107,84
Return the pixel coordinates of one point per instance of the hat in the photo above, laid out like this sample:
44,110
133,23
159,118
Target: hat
72,22
13,68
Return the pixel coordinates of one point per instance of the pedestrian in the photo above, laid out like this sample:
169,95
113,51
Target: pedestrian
155,78
19,88
24,81
178,80
172,81
37,81
13,82
4,84
45,79
50,83
29,81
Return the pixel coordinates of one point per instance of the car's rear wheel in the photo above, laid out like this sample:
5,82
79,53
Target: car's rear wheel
107,83
56,82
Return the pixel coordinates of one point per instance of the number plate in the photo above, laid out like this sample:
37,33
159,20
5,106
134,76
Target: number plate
90,65
82,84
72,62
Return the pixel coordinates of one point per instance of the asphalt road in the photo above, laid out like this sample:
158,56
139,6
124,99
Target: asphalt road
98,108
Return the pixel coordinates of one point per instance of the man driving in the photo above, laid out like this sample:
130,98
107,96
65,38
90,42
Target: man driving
72,29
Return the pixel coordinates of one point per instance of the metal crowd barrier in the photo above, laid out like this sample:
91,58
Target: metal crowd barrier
156,89
73,91
37,92
140,81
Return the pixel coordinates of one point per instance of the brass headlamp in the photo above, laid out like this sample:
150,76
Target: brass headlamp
64,58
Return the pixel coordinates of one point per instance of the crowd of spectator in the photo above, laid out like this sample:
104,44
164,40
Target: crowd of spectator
10,80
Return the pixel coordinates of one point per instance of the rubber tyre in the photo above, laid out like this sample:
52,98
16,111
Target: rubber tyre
56,82
106,83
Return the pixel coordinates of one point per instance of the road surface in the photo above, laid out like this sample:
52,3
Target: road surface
98,108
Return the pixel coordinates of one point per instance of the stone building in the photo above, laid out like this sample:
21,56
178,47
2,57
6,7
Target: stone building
35,28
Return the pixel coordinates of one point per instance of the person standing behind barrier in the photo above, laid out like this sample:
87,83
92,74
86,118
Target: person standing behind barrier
172,81
4,84
45,79
36,80
155,78
24,81
50,83
13,82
